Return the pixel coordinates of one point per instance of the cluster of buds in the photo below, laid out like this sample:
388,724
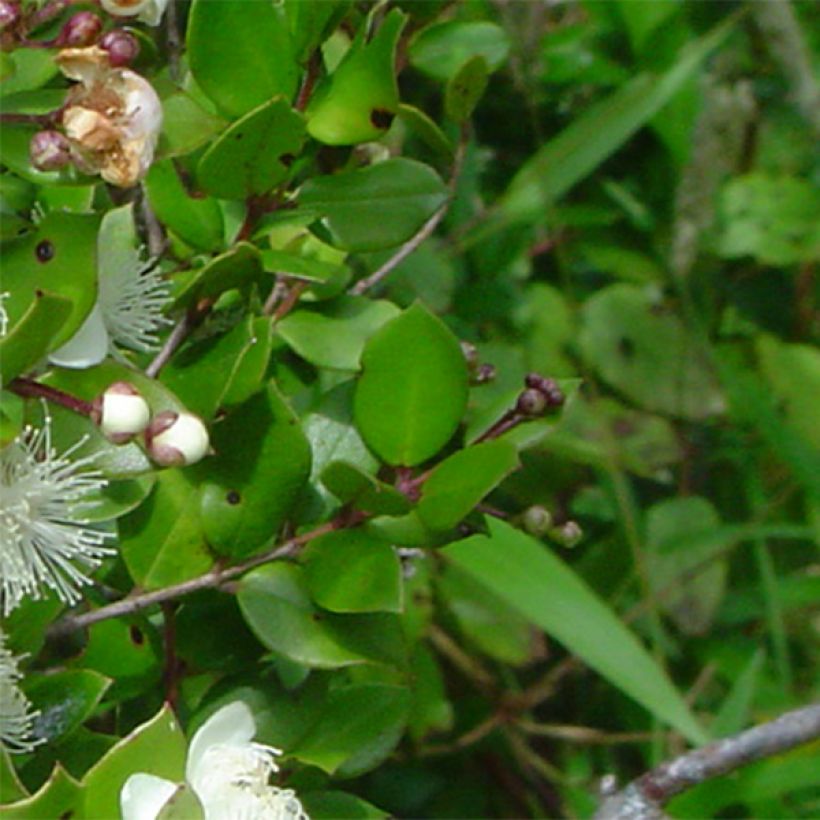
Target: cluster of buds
538,520
172,439
539,396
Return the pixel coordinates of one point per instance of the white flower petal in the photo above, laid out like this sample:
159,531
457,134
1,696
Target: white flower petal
232,725
16,719
143,796
87,347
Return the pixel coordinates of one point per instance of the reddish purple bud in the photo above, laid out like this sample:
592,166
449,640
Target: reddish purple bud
121,46
531,402
9,13
49,150
80,31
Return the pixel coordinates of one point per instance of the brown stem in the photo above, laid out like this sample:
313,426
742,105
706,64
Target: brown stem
178,335
30,389
170,676
213,579
313,68
289,301
645,797
47,120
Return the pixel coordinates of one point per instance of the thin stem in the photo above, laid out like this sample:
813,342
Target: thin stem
46,120
313,68
289,301
645,797
471,668
581,734
30,389
177,336
213,579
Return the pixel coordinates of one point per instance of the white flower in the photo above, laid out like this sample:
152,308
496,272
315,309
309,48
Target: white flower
112,116
44,542
15,716
226,771
131,295
146,11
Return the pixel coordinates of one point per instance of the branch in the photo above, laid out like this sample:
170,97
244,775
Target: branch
30,389
644,798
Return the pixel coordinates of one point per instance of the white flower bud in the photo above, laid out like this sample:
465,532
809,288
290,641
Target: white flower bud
176,439
121,412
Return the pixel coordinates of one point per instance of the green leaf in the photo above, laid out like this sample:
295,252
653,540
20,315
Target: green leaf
463,480
360,725
351,571
196,220
59,796
431,710
248,489
58,257
335,805
64,700
601,130
735,710
441,50
643,349
186,125
643,19
235,268
299,267
32,336
240,53
33,68
162,542
11,788
353,485
413,392
334,334
311,23
526,575
221,371
427,130
376,207
276,604
358,101
255,153
466,88
156,747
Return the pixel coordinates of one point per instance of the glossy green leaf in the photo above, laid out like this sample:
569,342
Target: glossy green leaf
358,101
33,68
463,480
59,796
310,23
353,485
235,268
359,727
120,497
58,257
162,541
221,371
11,788
240,54
334,334
351,571
376,207
682,536
33,335
299,267
334,805
441,50
276,604
196,220
642,347
406,530
601,130
525,574
186,125
427,130
465,89
255,153
250,486
413,391
156,747
431,710
734,712
64,700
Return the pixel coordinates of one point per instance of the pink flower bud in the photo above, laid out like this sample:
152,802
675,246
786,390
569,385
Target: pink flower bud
81,30
121,46
49,150
121,412
176,439
9,13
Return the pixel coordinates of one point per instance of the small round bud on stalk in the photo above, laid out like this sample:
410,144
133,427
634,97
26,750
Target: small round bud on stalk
49,150
548,387
537,520
531,403
80,31
568,534
121,412
121,46
9,14
176,439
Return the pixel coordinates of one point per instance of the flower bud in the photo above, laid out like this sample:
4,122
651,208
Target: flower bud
121,46
49,150
176,439
9,13
537,520
568,534
547,387
531,402
81,30
121,412
484,374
